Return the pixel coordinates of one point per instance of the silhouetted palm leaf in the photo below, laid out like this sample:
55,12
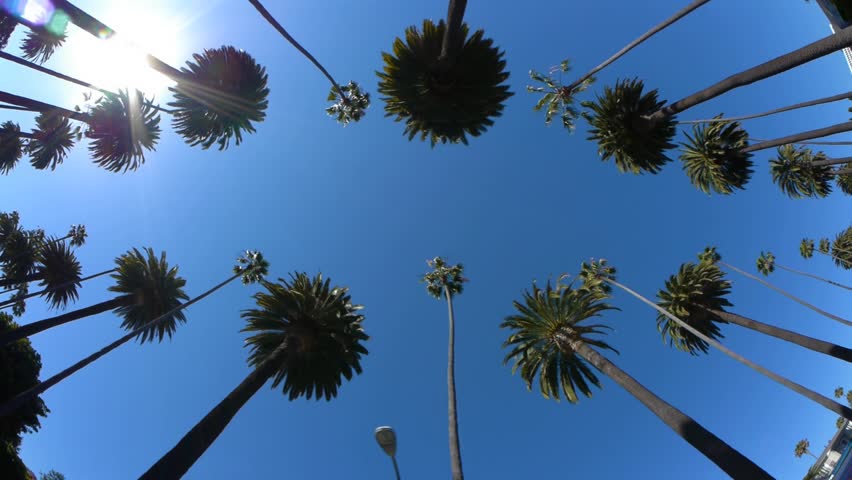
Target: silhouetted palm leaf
443,100
622,132
52,138
223,92
841,249
557,98
11,146
794,172
122,127
713,159
322,330
40,45
806,248
844,181
61,271
7,27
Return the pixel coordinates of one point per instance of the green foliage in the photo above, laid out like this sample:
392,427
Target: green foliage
443,99
766,263
841,249
78,235
220,93
840,422
321,328
709,255
252,266
806,248
349,107
444,276
824,246
838,392
622,131
156,289
52,138
545,331
61,271
802,447
558,98
52,475
713,158
594,275
40,45
688,295
793,171
844,181
11,466
122,127
11,145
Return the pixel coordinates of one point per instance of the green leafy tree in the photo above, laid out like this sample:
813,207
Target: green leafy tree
307,337
799,172
714,160
766,264
551,338
446,281
444,84
803,447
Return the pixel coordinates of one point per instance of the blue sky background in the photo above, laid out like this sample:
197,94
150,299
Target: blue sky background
367,208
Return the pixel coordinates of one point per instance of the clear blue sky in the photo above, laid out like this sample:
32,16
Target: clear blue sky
367,208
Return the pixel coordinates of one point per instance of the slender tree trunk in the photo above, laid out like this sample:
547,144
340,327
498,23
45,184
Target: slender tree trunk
803,341
11,282
795,106
836,284
820,48
845,171
455,448
12,301
821,132
832,161
36,106
727,458
826,402
453,33
395,468
31,329
790,296
645,36
22,398
174,464
839,143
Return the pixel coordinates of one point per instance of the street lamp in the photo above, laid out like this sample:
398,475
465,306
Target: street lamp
386,438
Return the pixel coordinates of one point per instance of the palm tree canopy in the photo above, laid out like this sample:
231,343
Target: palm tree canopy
61,273
766,263
252,266
19,253
78,235
806,248
844,181
11,146
222,91
7,27
713,157
40,45
793,171
686,295
52,138
801,447
122,127
545,329
824,246
622,131
444,276
838,392
319,324
841,249
157,289
443,100
557,98
350,103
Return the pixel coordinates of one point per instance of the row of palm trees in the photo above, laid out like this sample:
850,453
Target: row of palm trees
839,250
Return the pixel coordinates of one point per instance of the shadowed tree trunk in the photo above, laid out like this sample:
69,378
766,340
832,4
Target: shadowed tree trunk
818,133
795,106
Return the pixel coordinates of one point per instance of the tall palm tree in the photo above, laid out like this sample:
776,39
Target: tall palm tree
598,275
447,281
800,172
146,286
350,102
766,264
806,248
551,338
251,267
841,249
843,178
714,159
41,41
306,334
803,447
696,295
636,128
442,83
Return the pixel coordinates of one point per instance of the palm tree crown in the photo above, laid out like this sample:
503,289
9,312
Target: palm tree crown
60,272
122,127
843,180
841,249
39,45
319,325
52,139
558,98
793,171
806,248
252,266
444,276
713,157
802,447
11,146
766,263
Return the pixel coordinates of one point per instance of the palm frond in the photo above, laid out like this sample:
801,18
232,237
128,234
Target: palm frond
52,138
61,271
122,127
11,146
350,103
766,263
40,45
841,249
794,173
713,158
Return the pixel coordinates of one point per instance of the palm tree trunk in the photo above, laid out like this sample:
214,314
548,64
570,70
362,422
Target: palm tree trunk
835,143
820,48
832,282
795,106
31,329
788,295
455,448
715,449
804,341
845,171
453,33
820,132
11,282
24,397
174,464
12,301
826,402
832,161
36,106
645,36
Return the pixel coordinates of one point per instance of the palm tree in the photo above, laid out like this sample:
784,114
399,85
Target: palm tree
766,264
350,102
696,295
57,271
806,248
711,256
41,41
306,335
147,287
800,172
803,447
636,128
447,281
838,392
843,178
251,268
841,249
599,276
551,338
444,84
714,159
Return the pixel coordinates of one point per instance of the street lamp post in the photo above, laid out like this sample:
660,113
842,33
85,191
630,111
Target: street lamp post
386,438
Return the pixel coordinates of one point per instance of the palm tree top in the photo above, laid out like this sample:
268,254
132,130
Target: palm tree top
806,248
713,158
838,392
78,235
350,103
61,272
321,328
547,325
252,266
558,98
793,171
801,447
766,263
709,255
11,146
52,139
824,245
595,273
444,276
122,127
